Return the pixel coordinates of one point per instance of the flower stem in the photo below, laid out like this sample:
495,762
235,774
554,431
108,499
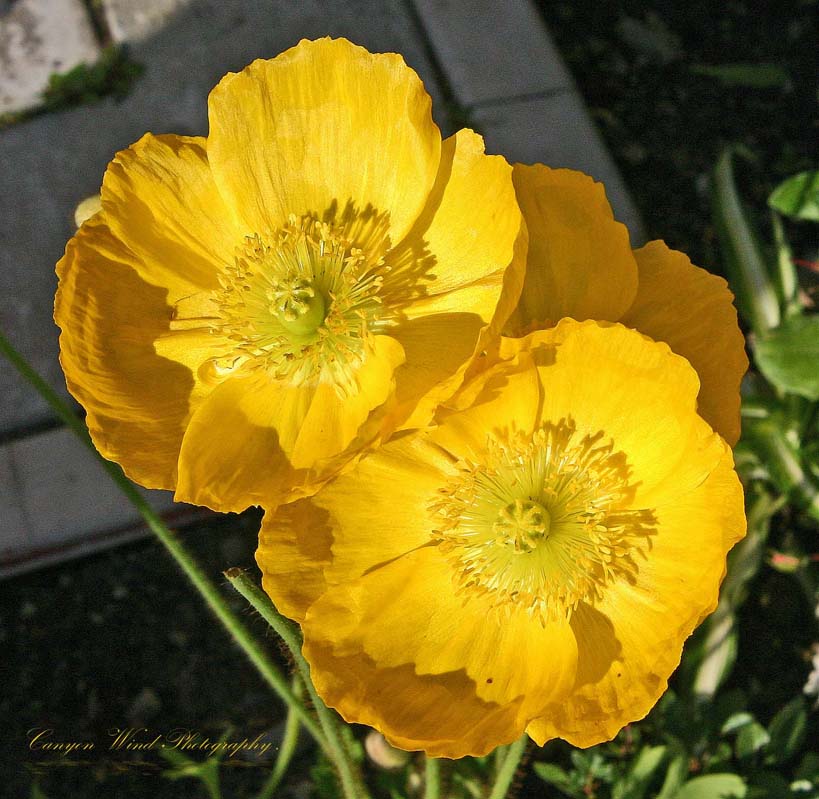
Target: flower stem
506,772
184,559
289,633
287,749
432,781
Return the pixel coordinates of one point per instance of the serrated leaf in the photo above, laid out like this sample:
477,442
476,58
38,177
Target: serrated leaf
752,76
798,196
787,731
714,786
789,356
752,737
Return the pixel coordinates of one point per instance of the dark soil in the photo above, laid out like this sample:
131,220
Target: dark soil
121,640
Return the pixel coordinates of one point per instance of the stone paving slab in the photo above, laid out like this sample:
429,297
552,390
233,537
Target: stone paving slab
37,39
493,51
57,501
557,131
505,70
135,20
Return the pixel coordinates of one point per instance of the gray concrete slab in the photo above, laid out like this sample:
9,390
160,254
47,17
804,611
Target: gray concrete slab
56,500
130,21
505,70
557,131
492,50
37,39
14,525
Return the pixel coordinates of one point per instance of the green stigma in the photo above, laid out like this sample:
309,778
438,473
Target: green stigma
299,306
523,524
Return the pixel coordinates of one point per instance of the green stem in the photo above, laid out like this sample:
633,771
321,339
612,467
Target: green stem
506,773
184,559
287,749
289,633
432,778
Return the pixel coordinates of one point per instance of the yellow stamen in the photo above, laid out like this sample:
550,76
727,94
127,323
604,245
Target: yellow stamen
301,305
544,522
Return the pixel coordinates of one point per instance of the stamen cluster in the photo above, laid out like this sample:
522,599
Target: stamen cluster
543,522
302,305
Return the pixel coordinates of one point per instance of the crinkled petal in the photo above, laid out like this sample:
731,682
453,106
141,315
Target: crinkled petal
408,611
440,714
259,441
323,125
380,509
160,199
640,394
675,588
693,312
432,372
413,468
468,244
503,400
138,402
580,262
295,544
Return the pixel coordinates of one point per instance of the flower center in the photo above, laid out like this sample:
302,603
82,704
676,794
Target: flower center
522,524
302,305
543,522
300,308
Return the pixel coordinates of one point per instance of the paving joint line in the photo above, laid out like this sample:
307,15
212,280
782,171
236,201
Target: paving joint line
497,102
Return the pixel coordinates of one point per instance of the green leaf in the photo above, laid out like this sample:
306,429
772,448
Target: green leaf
788,281
555,776
674,776
768,785
808,768
636,782
787,730
744,259
798,196
752,76
713,786
719,651
734,722
752,737
789,356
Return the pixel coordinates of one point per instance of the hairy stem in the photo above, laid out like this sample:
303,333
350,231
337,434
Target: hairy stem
289,633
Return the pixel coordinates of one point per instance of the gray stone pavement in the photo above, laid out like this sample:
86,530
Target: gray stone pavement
500,68
38,38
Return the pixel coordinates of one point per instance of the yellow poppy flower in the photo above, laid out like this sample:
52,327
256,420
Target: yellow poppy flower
535,562
249,309
580,265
